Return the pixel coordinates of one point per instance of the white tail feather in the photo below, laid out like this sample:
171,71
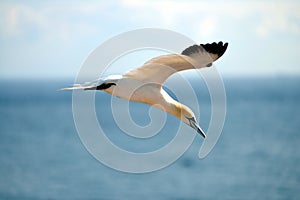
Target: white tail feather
79,87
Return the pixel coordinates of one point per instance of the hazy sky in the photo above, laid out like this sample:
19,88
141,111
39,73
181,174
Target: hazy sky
53,38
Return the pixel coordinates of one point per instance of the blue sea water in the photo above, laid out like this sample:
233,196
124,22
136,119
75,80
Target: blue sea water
256,157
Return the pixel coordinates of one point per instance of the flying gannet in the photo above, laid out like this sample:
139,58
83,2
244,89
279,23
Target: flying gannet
144,84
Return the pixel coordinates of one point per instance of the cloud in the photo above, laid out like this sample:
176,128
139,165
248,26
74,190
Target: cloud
271,16
60,20
48,20
282,18
69,31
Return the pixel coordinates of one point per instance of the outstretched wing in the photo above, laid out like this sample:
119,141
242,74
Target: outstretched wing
158,69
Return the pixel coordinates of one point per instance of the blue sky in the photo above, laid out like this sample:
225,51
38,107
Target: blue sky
51,39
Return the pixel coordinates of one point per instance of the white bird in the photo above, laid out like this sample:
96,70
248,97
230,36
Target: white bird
144,84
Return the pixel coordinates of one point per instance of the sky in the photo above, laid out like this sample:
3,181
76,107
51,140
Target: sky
51,39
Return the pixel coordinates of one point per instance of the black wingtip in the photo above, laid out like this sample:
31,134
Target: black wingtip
104,86
215,48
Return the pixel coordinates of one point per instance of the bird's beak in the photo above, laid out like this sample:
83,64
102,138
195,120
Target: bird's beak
200,131
195,126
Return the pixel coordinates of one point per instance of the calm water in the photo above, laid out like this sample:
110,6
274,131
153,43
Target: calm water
257,156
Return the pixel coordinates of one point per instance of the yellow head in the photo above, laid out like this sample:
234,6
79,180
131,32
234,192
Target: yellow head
179,110
186,115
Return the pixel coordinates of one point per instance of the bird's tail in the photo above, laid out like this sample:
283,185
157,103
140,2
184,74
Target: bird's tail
85,86
94,85
79,87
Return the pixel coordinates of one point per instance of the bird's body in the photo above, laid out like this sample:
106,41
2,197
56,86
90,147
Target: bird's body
144,84
145,92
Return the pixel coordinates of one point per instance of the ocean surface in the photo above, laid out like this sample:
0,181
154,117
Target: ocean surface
256,157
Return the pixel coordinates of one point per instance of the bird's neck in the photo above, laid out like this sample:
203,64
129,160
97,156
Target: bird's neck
170,105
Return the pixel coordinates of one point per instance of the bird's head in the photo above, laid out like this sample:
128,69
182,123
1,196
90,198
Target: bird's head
188,117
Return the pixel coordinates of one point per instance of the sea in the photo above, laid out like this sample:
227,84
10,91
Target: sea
256,157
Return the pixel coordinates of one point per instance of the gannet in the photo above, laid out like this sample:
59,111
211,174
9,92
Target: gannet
144,84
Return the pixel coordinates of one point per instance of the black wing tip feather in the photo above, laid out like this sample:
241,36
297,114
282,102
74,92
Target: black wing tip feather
214,48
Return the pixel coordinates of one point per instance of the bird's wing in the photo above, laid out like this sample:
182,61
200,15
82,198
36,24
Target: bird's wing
158,69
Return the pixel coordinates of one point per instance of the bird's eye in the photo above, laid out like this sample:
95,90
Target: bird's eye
192,121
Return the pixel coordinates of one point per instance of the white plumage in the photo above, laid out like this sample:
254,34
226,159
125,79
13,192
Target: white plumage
144,84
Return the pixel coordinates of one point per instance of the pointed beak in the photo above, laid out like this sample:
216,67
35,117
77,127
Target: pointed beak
195,126
200,131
